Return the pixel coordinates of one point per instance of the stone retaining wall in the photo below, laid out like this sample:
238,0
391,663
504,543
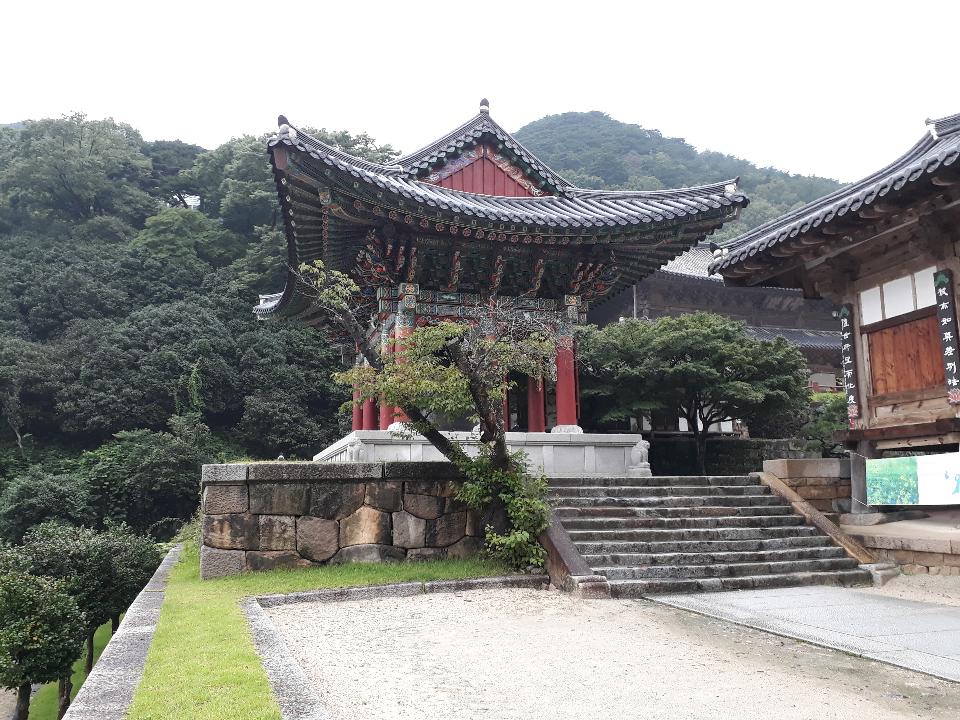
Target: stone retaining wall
822,482
263,516
915,556
725,456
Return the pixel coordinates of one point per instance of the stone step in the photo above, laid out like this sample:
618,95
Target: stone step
653,535
826,552
702,546
660,480
592,511
679,523
639,588
724,570
685,501
617,491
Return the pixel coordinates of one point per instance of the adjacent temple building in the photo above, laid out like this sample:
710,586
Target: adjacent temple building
471,216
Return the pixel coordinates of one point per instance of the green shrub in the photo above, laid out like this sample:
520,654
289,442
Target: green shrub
828,414
37,497
41,632
521,496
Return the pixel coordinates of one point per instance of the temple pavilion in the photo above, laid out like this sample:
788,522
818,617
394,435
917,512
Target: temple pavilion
472,215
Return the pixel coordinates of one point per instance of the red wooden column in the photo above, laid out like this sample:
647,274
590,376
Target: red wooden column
536,417
369,414
566,370
386,411
357,423
406,322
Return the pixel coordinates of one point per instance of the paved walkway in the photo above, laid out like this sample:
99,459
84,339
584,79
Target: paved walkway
914,635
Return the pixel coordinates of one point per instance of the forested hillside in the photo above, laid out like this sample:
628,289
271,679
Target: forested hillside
593,150
129,353
128,269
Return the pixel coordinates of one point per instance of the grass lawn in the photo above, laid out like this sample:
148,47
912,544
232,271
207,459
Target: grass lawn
43,706
202,663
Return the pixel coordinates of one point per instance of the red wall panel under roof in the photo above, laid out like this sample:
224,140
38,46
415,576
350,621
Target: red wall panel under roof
484,176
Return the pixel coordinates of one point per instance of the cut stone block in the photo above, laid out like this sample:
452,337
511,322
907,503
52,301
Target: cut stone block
216,563
296,471
408,530
428,507
220,499
369,553
366,526
334,501
420,554
233,531
465,547
385,495
275,560
278,532
268,498
318,539
232,473
446,529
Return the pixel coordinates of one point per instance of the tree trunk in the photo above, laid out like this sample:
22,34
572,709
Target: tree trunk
114,624
88,661
700,441
23,702
64,689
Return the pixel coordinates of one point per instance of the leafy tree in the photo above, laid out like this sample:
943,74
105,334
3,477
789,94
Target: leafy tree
41,630
144,479
703,366
135,558
171,160
450,369
83,561
186,236
828,415
37,497
75,168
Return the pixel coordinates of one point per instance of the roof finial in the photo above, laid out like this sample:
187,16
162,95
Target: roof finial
485,106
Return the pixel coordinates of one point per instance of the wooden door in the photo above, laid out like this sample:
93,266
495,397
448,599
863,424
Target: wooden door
906,357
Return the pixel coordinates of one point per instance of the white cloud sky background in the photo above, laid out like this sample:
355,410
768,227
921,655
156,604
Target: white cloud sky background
831,88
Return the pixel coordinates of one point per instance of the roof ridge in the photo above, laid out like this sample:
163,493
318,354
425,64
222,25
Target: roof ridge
746,238
720,186
289,131
482,122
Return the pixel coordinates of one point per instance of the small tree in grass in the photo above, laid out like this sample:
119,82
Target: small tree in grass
448,369
134,559
82,561
41,630
703,366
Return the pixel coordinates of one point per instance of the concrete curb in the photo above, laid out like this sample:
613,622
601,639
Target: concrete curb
292,690
107,692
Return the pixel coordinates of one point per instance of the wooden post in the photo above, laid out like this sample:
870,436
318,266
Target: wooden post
369,414
566,383
357,422
536,417
406,322
386,411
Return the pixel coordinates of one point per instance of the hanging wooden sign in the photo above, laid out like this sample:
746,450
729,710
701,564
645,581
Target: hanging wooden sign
848,353
947,321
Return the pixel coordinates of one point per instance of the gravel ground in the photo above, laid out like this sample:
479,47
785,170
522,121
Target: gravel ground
527,654
940,589
8,702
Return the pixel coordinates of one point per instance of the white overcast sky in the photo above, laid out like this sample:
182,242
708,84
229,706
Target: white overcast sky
834,88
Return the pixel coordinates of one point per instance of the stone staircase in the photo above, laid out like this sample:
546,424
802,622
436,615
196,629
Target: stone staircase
694,534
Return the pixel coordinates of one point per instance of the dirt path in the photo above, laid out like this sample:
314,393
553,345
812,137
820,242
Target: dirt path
520,654
8,701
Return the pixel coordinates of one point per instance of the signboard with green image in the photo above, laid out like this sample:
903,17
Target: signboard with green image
915,480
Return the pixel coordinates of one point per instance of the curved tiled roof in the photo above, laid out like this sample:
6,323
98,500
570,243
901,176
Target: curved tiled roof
330,200
815,339
939,148
577,208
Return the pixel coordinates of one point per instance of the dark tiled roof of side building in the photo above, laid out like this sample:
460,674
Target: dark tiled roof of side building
939,147
818,339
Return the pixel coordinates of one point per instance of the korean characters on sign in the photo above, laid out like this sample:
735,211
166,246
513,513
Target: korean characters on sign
848,351
947,323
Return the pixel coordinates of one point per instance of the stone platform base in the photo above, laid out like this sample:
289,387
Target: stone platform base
271,515
929,545
553,454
